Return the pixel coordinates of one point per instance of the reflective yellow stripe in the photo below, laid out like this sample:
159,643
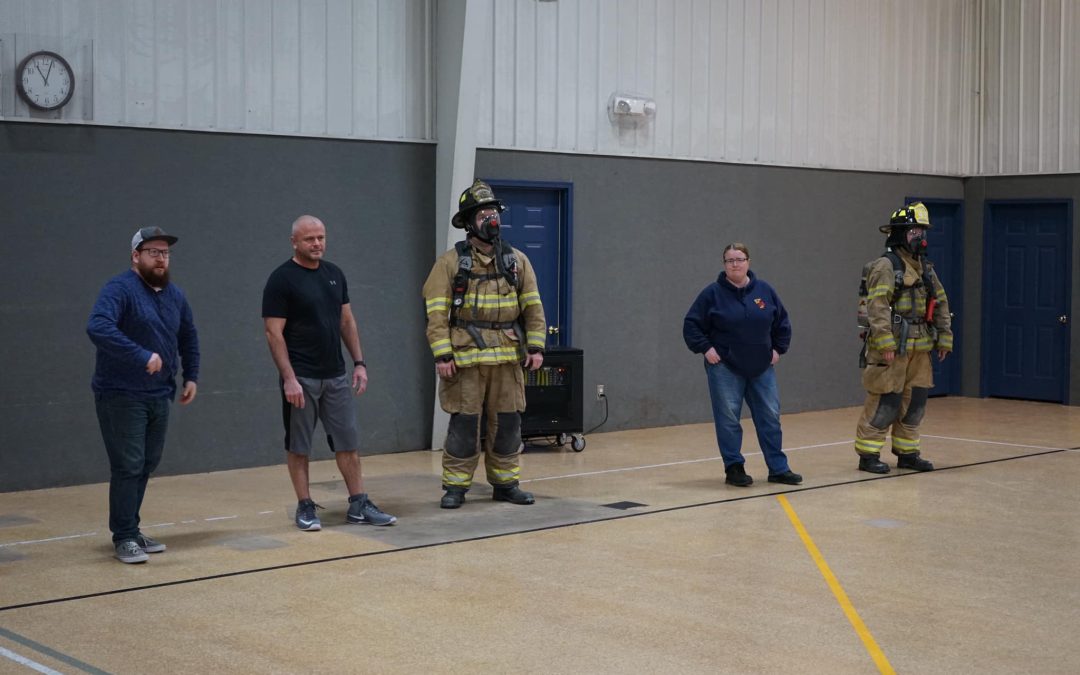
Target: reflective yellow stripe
941,295
944,342
504,476
490,301
441,347
884,343
437,304
536,338
905,444
879,291
530,298
869,446
471,356
456,479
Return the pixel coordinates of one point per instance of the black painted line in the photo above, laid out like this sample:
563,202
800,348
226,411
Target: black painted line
543,528
52,653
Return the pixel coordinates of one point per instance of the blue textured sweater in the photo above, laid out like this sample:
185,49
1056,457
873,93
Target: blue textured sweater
129,323
743,324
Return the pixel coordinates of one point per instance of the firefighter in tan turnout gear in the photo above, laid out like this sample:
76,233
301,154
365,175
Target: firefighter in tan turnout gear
484,321
906,317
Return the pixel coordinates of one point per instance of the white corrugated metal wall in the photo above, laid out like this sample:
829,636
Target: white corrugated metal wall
1030,116
854,84
954,87
346,68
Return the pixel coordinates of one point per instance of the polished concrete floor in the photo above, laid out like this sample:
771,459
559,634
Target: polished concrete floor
635,558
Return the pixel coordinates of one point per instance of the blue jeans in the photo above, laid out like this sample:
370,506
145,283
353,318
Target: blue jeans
134,434
728,390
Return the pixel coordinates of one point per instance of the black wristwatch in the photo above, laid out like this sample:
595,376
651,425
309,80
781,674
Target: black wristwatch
359,363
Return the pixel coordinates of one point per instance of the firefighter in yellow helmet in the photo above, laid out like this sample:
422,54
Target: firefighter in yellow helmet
907,313
484,321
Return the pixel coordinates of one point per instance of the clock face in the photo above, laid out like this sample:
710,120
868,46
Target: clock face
45,80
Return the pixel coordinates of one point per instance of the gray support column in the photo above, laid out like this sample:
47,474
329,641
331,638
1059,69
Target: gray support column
456,88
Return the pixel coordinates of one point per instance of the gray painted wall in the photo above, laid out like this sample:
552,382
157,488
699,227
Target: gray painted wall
72,197
648,236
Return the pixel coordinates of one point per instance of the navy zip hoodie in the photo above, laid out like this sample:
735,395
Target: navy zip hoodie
130,322
743,324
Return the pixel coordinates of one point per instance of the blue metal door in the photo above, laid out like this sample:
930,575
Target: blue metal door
1027,298
945,251
536,222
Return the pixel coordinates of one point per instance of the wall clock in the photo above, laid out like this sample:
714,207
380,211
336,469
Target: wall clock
45,80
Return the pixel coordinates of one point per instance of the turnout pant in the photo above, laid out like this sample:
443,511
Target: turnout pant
499,391
895,399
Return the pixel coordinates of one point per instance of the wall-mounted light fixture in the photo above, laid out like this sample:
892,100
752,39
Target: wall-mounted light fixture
630,109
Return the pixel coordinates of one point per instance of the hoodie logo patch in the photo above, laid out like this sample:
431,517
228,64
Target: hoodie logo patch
760,303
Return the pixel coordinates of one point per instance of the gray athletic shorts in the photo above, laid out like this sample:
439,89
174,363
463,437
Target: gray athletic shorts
330,401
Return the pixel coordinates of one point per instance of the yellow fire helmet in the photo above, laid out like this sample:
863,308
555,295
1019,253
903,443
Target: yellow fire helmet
912,215
478,195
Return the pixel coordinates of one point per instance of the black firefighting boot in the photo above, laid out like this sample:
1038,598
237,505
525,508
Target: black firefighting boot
911,460
512,494
737,476
873,464
453,498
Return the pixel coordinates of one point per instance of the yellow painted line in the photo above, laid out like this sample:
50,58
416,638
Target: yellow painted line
838,591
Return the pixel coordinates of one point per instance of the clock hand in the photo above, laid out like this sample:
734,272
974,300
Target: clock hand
49,72
37,67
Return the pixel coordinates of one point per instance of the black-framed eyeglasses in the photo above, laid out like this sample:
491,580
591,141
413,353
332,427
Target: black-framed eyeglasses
156,252
735,261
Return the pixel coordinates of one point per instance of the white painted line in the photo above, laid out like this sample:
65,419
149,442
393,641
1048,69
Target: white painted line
263,513
160,525
42,541
625,468
1011,445
32,665
685,461
220,518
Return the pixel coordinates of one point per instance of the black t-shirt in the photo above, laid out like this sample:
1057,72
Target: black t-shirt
310,302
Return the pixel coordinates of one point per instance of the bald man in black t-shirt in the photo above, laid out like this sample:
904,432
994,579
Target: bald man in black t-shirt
307,316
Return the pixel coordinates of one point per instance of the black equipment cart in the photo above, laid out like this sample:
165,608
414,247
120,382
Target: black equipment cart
553,399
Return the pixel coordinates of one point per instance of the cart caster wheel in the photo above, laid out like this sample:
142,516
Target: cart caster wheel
578,443
562,439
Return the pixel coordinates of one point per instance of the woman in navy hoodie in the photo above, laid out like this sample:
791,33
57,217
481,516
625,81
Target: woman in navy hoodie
742,328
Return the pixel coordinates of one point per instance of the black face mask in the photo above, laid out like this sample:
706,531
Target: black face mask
488,229
918,244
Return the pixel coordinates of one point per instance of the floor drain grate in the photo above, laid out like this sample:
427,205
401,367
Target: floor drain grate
623,505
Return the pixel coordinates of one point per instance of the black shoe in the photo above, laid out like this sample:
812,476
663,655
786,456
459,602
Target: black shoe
873,464
912,461
453,498
737,476
512,494
787,478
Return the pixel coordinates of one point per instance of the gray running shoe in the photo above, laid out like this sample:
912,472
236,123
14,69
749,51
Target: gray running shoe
306,519
362,510
149,545
129,551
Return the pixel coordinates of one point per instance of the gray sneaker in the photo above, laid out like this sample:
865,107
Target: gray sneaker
362,510
306,519
129,551
149,545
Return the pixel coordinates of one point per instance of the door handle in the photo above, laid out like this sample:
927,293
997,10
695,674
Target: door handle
1063,319
553,330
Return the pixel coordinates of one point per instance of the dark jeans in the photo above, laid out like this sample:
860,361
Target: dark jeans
134,434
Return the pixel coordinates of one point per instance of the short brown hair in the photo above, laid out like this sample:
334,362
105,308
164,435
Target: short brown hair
736,246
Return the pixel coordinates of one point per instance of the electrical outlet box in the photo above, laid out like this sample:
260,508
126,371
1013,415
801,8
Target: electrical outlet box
599,392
